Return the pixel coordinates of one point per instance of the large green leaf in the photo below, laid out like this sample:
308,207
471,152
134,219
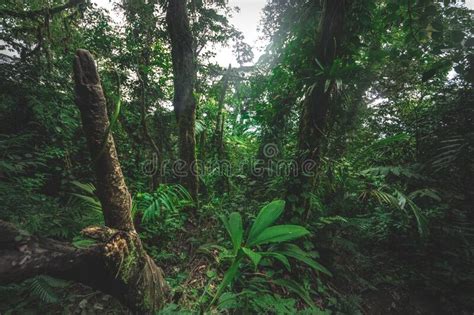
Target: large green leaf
234,228
88,188
225,221
228,277
266,217
89,201
293,251
279,257
297,288
279,234
254,257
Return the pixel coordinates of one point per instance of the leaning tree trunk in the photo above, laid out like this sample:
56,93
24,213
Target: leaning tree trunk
117,263
317,102
184,102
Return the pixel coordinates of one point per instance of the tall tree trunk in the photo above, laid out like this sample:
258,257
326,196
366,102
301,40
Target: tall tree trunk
220,121
156,176
118,263
184,102
318,98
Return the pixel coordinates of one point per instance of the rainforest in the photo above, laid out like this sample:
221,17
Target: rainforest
236,157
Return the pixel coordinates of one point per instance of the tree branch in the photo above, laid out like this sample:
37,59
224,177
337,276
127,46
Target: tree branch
40,12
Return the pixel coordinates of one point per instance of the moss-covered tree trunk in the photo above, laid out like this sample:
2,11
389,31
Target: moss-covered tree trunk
184,101
117,264
142,281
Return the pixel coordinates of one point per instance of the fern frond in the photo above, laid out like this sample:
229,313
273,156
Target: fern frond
43,287
167,199
87,196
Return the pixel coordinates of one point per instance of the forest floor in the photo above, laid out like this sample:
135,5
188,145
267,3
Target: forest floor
78,299
370,282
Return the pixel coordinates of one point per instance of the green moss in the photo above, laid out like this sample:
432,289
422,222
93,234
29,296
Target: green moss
147,299
127,266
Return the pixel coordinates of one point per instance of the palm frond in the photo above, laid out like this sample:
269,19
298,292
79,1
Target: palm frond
166,199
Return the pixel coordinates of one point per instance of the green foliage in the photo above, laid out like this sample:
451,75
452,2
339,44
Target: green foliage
266,217
263,232
258,302
389,207
42,286
87,196
162,205
234,227
81,242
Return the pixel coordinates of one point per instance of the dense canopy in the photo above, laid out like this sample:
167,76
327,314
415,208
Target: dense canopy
332,174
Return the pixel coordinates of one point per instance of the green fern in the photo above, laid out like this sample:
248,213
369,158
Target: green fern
87,196
167,199
399,200
398,171
44,287
450,151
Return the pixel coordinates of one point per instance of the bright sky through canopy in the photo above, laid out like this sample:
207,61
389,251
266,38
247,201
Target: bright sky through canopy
246,20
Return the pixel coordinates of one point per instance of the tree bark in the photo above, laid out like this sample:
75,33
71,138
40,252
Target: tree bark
25,256
111,188
318,98
41,13
220,121
117,263
184,102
